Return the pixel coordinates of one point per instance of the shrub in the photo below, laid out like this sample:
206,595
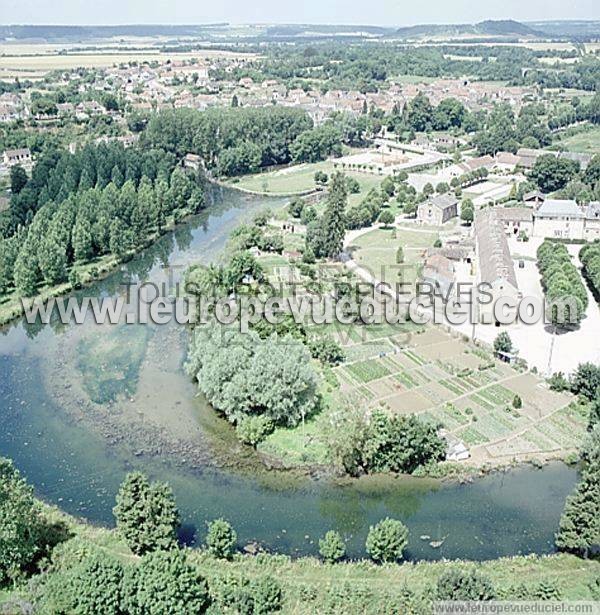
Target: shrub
326,350
253,429
558,382
386,540
460,584
517,402
266,595
164,582
221,538
146,515
93,586
332,547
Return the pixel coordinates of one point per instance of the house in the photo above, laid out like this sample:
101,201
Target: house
192,161
515,220
591,230
437,210
456,449
559,219
12,157
528,157
483,162
505,161
495,267
582,159
65,109
439,272
534,198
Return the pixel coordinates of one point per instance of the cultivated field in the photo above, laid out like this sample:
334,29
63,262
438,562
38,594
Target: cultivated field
34,61
448,381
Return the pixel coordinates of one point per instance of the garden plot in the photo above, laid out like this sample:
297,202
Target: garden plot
365,371
409,402
437,393
360,352
385,387
430,336
451,383
441,350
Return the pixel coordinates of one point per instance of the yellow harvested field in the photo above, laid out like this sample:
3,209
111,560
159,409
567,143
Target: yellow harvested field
34,60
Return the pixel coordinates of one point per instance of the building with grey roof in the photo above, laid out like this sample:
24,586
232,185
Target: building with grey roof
495,267
438,209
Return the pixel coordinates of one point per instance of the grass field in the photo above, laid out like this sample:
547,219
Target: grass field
300,178
376,251
586,142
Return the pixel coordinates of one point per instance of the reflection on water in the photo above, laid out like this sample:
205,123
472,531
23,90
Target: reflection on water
80,406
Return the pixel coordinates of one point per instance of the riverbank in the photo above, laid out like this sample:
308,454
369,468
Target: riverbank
11,306
309,585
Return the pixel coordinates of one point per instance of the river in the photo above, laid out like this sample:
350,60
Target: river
83,404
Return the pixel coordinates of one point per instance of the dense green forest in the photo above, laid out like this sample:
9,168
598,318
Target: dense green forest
76,207
366,67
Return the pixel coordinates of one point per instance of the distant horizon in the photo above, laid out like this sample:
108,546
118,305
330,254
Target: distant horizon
386,13
292,23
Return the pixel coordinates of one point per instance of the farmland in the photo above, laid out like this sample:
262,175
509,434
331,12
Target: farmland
448,381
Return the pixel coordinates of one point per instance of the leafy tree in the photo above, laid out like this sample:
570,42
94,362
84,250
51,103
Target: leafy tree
386,540
352,185
146,514
317,144
503,343
399,444
386,217
579,527
420,113
18,179
326,350
221,538
517,402
321,178
164,582
461,584
20,523
295,207
594,415
467,211
332,547
551,173
586,380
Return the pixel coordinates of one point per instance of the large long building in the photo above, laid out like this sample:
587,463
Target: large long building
565,219
495,266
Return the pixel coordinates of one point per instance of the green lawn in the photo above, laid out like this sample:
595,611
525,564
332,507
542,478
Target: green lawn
300,178
586,142
377,249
